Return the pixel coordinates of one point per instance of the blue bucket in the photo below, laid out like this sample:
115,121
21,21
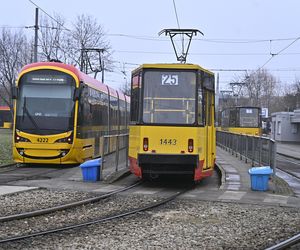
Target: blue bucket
91,170
260,178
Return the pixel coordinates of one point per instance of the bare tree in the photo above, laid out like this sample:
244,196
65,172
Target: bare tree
291,98
87,33
84,43
260,87
51,38
15,52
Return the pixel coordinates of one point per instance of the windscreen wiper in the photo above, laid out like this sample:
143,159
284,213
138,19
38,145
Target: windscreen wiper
25,110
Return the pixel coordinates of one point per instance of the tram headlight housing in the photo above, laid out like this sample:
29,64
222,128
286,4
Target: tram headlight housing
20,151
190,145
21,139
64,152
68,139
145,144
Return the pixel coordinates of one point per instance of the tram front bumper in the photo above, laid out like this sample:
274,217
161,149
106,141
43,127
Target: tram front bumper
167,163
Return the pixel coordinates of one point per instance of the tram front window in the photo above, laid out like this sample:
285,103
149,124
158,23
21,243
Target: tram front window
249,117
45,104
169,97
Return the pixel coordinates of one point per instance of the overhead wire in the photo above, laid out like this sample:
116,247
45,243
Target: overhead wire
205,54
60,24
175,9
279,52
177,20
210,40
224,41
12,27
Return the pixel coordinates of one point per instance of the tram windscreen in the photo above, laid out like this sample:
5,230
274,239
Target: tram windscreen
169,97
249,117
45,103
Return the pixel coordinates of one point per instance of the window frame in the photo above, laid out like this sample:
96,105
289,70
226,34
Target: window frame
198,83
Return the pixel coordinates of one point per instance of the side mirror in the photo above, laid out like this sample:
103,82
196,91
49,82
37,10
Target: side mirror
77,92
14,92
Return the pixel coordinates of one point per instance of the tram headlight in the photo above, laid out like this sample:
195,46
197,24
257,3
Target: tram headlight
21,151
68,139
145,144
21,139
64,152
190,145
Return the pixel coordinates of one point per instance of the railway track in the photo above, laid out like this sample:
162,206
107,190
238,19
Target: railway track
291,242
288,169
39,212
14,172
8,167
115,215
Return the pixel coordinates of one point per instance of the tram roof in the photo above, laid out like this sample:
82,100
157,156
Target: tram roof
94,83
184,66
4,108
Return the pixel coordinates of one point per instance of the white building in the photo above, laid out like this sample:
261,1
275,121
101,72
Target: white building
286,126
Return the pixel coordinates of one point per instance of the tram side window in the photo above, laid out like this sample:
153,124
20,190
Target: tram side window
94,101
114,112
103,108
84,108
93,108
225,118
209,107
134,102
200,107
127,112
122,113
232,118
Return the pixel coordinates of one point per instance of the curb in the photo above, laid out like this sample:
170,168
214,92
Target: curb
116,176
223,174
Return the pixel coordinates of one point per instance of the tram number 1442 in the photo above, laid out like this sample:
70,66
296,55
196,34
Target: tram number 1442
168,141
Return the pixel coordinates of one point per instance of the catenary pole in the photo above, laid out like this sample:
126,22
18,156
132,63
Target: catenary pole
36,28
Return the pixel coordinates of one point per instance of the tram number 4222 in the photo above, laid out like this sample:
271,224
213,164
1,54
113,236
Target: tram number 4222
42,140
168,141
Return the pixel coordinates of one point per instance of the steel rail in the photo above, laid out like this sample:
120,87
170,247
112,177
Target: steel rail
98,220
8,165
287,243
65,206
288,156
289,172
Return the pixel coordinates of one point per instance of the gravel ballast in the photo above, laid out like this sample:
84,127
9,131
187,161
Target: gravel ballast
38,199
181,224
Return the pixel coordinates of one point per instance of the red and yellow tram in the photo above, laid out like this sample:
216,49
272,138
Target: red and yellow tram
171,127
61,114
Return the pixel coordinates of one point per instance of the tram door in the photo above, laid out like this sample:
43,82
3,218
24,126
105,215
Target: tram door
209,120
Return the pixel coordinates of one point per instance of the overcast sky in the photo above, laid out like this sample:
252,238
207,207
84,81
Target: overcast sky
238,34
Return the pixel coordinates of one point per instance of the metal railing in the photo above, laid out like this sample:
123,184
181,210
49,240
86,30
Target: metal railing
260,151
114,154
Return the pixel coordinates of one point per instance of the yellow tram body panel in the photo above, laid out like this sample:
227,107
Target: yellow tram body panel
46,149
173,141
244,131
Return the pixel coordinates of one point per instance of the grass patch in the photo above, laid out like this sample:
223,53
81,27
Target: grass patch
5,146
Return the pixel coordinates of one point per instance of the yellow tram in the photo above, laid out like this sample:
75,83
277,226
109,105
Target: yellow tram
62,114
171,127
242,120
